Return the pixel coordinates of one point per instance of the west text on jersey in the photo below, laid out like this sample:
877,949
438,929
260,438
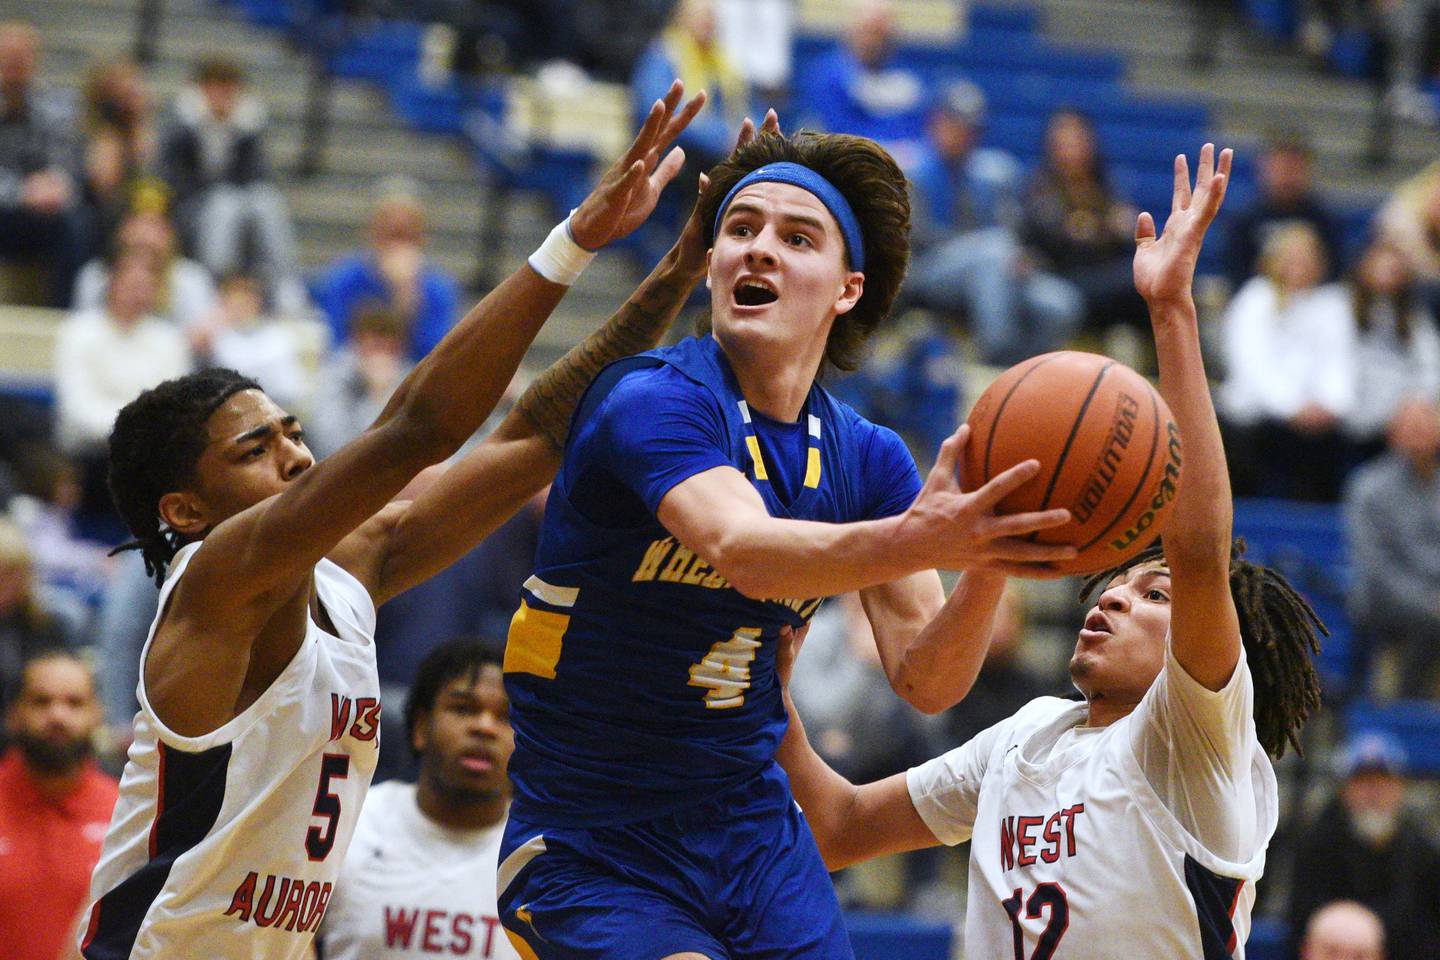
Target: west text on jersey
366,713
440,931
1024,839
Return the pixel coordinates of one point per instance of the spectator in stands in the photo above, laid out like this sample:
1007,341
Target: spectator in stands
1392,514
121,150
963,219
1397,350
68,566
214,158
394,273
38,161
1344,930
355,383
55,806
689,48
239,335
1076,226
435,842
1365,846
105,357
29,622
1287,195
187,292
759,35
1289,354
122,626
1411,219
864,87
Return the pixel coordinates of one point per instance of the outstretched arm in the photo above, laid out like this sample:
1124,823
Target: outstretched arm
1204,627
719,515
408,543
267,550
850,823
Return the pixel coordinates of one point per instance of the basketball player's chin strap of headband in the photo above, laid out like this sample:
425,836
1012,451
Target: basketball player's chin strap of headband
826,192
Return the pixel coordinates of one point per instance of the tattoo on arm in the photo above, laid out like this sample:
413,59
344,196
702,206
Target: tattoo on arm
635,327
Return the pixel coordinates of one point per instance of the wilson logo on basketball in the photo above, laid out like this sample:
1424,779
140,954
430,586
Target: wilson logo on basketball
1122,428
1164,492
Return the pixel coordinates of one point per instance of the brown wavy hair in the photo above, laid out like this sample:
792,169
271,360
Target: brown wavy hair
872,183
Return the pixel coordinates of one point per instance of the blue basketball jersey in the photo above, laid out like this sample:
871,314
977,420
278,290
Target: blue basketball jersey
640,681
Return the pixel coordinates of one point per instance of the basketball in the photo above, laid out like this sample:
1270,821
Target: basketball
1108,448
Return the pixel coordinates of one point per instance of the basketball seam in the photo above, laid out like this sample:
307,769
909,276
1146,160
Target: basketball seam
1000,410
1145,476
1074,429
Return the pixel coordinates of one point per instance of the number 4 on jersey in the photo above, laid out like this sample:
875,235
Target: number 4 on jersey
1049,896
724,672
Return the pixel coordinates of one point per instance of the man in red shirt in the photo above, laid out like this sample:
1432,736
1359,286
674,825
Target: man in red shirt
55,805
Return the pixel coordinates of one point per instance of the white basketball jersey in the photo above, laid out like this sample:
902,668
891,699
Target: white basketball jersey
412,888
1140,839
227,845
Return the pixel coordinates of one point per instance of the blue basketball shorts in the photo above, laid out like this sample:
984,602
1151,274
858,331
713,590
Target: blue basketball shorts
737,876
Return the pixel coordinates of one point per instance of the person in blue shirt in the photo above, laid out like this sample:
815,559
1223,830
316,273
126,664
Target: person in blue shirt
394,273
710,494
967,208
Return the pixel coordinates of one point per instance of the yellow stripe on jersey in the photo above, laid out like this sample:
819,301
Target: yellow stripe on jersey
518,942
812,468
753,442
534,642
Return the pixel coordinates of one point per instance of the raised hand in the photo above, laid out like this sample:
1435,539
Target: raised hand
955,530
1165,266
628,190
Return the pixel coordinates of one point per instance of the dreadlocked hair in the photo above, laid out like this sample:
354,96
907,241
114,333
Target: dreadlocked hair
156,441
1280,632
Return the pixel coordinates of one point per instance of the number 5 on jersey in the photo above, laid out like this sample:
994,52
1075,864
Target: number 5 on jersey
319,841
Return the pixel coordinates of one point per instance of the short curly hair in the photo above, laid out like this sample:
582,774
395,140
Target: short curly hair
157,439
872,183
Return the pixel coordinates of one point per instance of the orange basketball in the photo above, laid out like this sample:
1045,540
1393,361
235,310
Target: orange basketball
1108,448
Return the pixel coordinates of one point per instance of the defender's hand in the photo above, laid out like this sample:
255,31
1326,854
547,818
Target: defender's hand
628,191
1165,266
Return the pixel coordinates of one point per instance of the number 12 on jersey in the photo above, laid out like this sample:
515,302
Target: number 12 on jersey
1047,896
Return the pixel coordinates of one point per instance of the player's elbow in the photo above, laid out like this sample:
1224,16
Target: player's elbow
925,690
744,571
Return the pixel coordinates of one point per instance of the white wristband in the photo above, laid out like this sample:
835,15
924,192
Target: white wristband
560,259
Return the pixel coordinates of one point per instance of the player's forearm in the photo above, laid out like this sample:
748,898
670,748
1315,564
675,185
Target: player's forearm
637,326
768,557
1200,525
940,663
824,796
453,389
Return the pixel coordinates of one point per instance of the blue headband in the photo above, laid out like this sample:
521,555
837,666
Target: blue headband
824,191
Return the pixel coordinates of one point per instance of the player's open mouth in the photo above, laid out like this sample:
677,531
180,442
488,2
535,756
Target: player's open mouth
754,292
476,762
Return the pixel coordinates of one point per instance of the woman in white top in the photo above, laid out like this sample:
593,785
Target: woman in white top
1397,351
1290,372
1133,824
